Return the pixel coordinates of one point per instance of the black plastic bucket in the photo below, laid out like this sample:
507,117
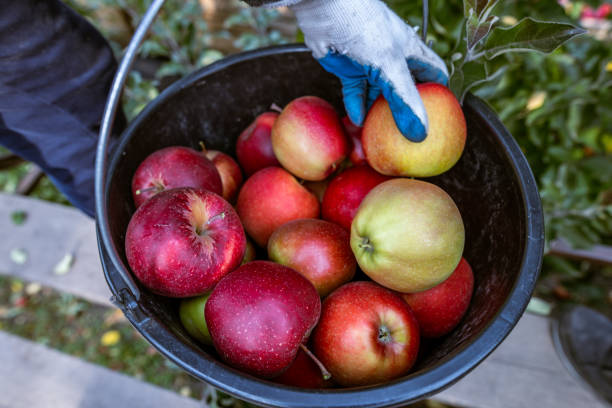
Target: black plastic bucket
491,184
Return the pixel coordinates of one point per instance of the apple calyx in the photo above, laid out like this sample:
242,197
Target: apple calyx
366,245
384,334
326,374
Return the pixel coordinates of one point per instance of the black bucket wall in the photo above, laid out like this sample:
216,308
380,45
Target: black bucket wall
491,184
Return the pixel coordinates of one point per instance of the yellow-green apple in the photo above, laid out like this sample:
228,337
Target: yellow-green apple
270,198
181,242
191,313
356,155
388,152
439,309
303,373
407,235
308,138
254,147
229,171
346,191
259,315
172,167
249,253
318,249
366,335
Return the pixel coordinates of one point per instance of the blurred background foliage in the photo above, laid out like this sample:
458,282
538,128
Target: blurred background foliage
558,106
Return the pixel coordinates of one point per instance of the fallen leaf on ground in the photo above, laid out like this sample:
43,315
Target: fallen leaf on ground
110,338
64,265
19,256
19,217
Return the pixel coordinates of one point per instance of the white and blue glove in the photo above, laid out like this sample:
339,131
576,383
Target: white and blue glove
372,51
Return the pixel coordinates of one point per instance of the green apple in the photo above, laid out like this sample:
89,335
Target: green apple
191,313
407,235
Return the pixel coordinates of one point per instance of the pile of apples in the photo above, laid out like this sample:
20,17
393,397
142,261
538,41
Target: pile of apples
385,256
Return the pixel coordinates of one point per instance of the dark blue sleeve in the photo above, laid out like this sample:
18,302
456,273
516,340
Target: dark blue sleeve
55,73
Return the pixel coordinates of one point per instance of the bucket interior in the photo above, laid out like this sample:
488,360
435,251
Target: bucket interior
216,104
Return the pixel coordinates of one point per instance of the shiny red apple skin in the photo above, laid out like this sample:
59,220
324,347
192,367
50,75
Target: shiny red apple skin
303,373
389,152
317,249
366,335
270,198
229,171
439,309
254,147
356,155
308,138
346,191
172,167
259,315
182,241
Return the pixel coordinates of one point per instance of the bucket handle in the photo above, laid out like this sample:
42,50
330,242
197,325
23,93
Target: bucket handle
110,111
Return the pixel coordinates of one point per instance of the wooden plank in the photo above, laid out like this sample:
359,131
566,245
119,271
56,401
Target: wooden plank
524,371
601,254
34,376
50,232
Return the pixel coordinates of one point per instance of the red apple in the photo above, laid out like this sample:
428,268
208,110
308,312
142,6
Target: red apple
173,167
346,191
181,242
254,147
356,156
390,153
366,335
308,138
439,309
304,373
231,176
270,198
407,235
259,315
317,249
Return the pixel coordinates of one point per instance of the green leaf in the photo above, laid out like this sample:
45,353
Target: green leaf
529,35
479,6
469,75
477,30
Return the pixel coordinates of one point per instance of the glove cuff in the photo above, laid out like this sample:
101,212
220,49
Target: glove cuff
280,3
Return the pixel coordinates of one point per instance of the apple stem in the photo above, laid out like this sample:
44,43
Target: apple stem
326,374
146,190
203,147
215,217
276,108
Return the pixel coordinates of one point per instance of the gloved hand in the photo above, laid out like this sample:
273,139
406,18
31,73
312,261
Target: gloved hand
371,50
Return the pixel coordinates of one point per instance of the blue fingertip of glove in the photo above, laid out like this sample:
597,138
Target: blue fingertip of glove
425,72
